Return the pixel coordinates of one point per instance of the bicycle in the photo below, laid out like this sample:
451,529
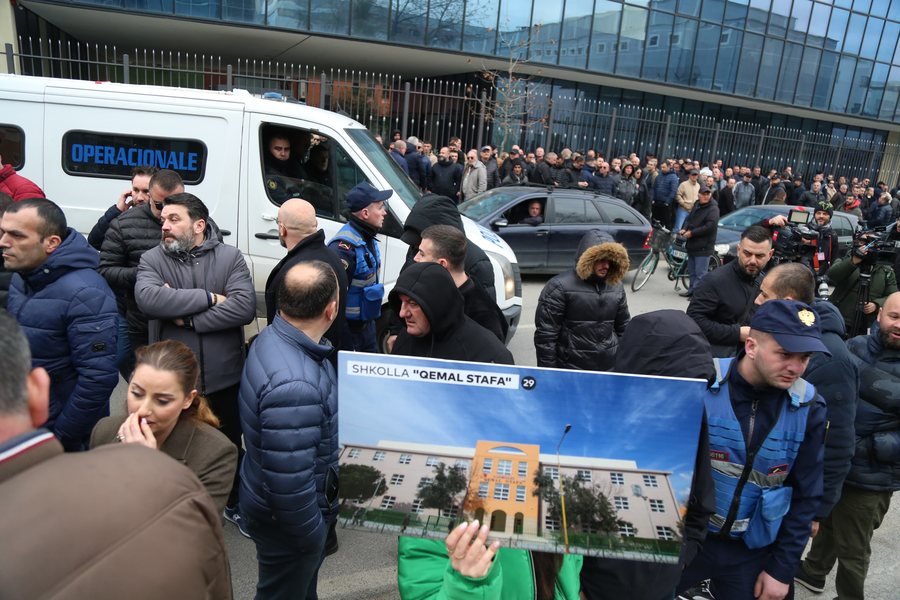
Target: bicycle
661,241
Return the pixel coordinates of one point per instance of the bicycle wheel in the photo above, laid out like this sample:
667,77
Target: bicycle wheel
644,271
714,262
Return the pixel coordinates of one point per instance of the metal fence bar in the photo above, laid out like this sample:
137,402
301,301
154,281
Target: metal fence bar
434,109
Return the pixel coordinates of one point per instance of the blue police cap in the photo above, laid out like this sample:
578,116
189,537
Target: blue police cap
365,194
793,324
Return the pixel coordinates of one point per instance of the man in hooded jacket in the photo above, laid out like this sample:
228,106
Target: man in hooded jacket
670,344
582,313
427,299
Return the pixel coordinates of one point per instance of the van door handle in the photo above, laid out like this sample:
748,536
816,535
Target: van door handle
224,232
267,236
541,232
268,217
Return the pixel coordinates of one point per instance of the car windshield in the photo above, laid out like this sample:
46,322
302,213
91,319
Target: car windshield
387,166
489,202
745,217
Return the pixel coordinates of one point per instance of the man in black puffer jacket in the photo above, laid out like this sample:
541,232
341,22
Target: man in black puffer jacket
582,313
427,299
700,228
666,343
874,476
130,235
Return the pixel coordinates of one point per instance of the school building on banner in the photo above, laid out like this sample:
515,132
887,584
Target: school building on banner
501,485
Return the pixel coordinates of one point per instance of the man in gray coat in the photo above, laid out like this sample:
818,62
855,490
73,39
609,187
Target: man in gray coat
197,290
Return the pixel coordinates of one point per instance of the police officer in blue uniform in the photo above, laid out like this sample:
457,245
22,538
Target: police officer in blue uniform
356,246
766,434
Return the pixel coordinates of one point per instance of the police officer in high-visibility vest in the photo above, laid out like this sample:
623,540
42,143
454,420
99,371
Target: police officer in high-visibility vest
766,434
356,246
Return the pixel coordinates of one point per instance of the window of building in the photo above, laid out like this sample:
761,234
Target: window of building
617,478
504,467
657,505
627,530
501,491
462,466
397,479
621,502
487,466
378,456
520,493
623,46
354,453
601,47
650,481
725,37
417,507
405,459
450,512
483,489
552,473
674,39
388,502
523,469
551,524
584,475
432,461
665,533
425,481
653,41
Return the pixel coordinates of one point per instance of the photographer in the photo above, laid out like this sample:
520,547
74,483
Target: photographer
815,252
861,285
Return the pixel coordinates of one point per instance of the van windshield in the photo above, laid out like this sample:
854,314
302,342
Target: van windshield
396,178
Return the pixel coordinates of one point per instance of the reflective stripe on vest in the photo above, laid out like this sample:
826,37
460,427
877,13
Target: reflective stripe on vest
365,272
728,452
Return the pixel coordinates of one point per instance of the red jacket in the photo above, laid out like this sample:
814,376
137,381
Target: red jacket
18,187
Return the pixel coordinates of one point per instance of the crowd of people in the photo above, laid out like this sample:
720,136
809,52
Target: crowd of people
154,294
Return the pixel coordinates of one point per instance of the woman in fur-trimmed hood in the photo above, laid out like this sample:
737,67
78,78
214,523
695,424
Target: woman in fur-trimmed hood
582,313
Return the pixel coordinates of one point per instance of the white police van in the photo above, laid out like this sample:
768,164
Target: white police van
79,141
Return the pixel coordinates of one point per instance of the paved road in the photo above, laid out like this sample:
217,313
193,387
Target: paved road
365,566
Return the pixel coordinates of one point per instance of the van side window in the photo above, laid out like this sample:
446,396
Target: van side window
297,164
12,146
114,155
348,175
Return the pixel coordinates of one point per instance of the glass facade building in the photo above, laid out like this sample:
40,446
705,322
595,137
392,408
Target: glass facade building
837,56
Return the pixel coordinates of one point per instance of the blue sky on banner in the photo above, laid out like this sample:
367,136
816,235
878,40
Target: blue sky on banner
654,421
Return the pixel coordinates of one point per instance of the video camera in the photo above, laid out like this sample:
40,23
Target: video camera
875,247
796,241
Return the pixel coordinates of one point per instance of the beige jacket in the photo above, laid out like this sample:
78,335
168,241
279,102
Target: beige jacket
687,194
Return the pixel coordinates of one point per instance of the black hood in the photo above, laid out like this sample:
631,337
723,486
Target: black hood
667,343
431,287
431,209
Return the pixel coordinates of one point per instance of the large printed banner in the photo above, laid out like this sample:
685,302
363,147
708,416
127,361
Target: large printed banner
553,460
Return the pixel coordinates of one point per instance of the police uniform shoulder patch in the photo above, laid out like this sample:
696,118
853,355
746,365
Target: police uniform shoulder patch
344,245
807,317
345,263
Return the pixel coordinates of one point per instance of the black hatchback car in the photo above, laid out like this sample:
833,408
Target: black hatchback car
567,214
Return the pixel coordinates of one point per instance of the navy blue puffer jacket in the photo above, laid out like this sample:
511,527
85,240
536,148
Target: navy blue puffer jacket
288,405
876,465
68,313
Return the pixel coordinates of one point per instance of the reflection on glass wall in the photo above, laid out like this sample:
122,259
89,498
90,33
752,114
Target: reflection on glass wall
838,55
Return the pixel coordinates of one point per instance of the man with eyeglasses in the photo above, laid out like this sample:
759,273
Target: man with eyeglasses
128,237
722,302
474,179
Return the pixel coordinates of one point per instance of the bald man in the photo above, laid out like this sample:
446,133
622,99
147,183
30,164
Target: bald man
298,232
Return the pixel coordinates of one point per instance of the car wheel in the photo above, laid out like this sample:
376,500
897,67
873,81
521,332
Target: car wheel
644,271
